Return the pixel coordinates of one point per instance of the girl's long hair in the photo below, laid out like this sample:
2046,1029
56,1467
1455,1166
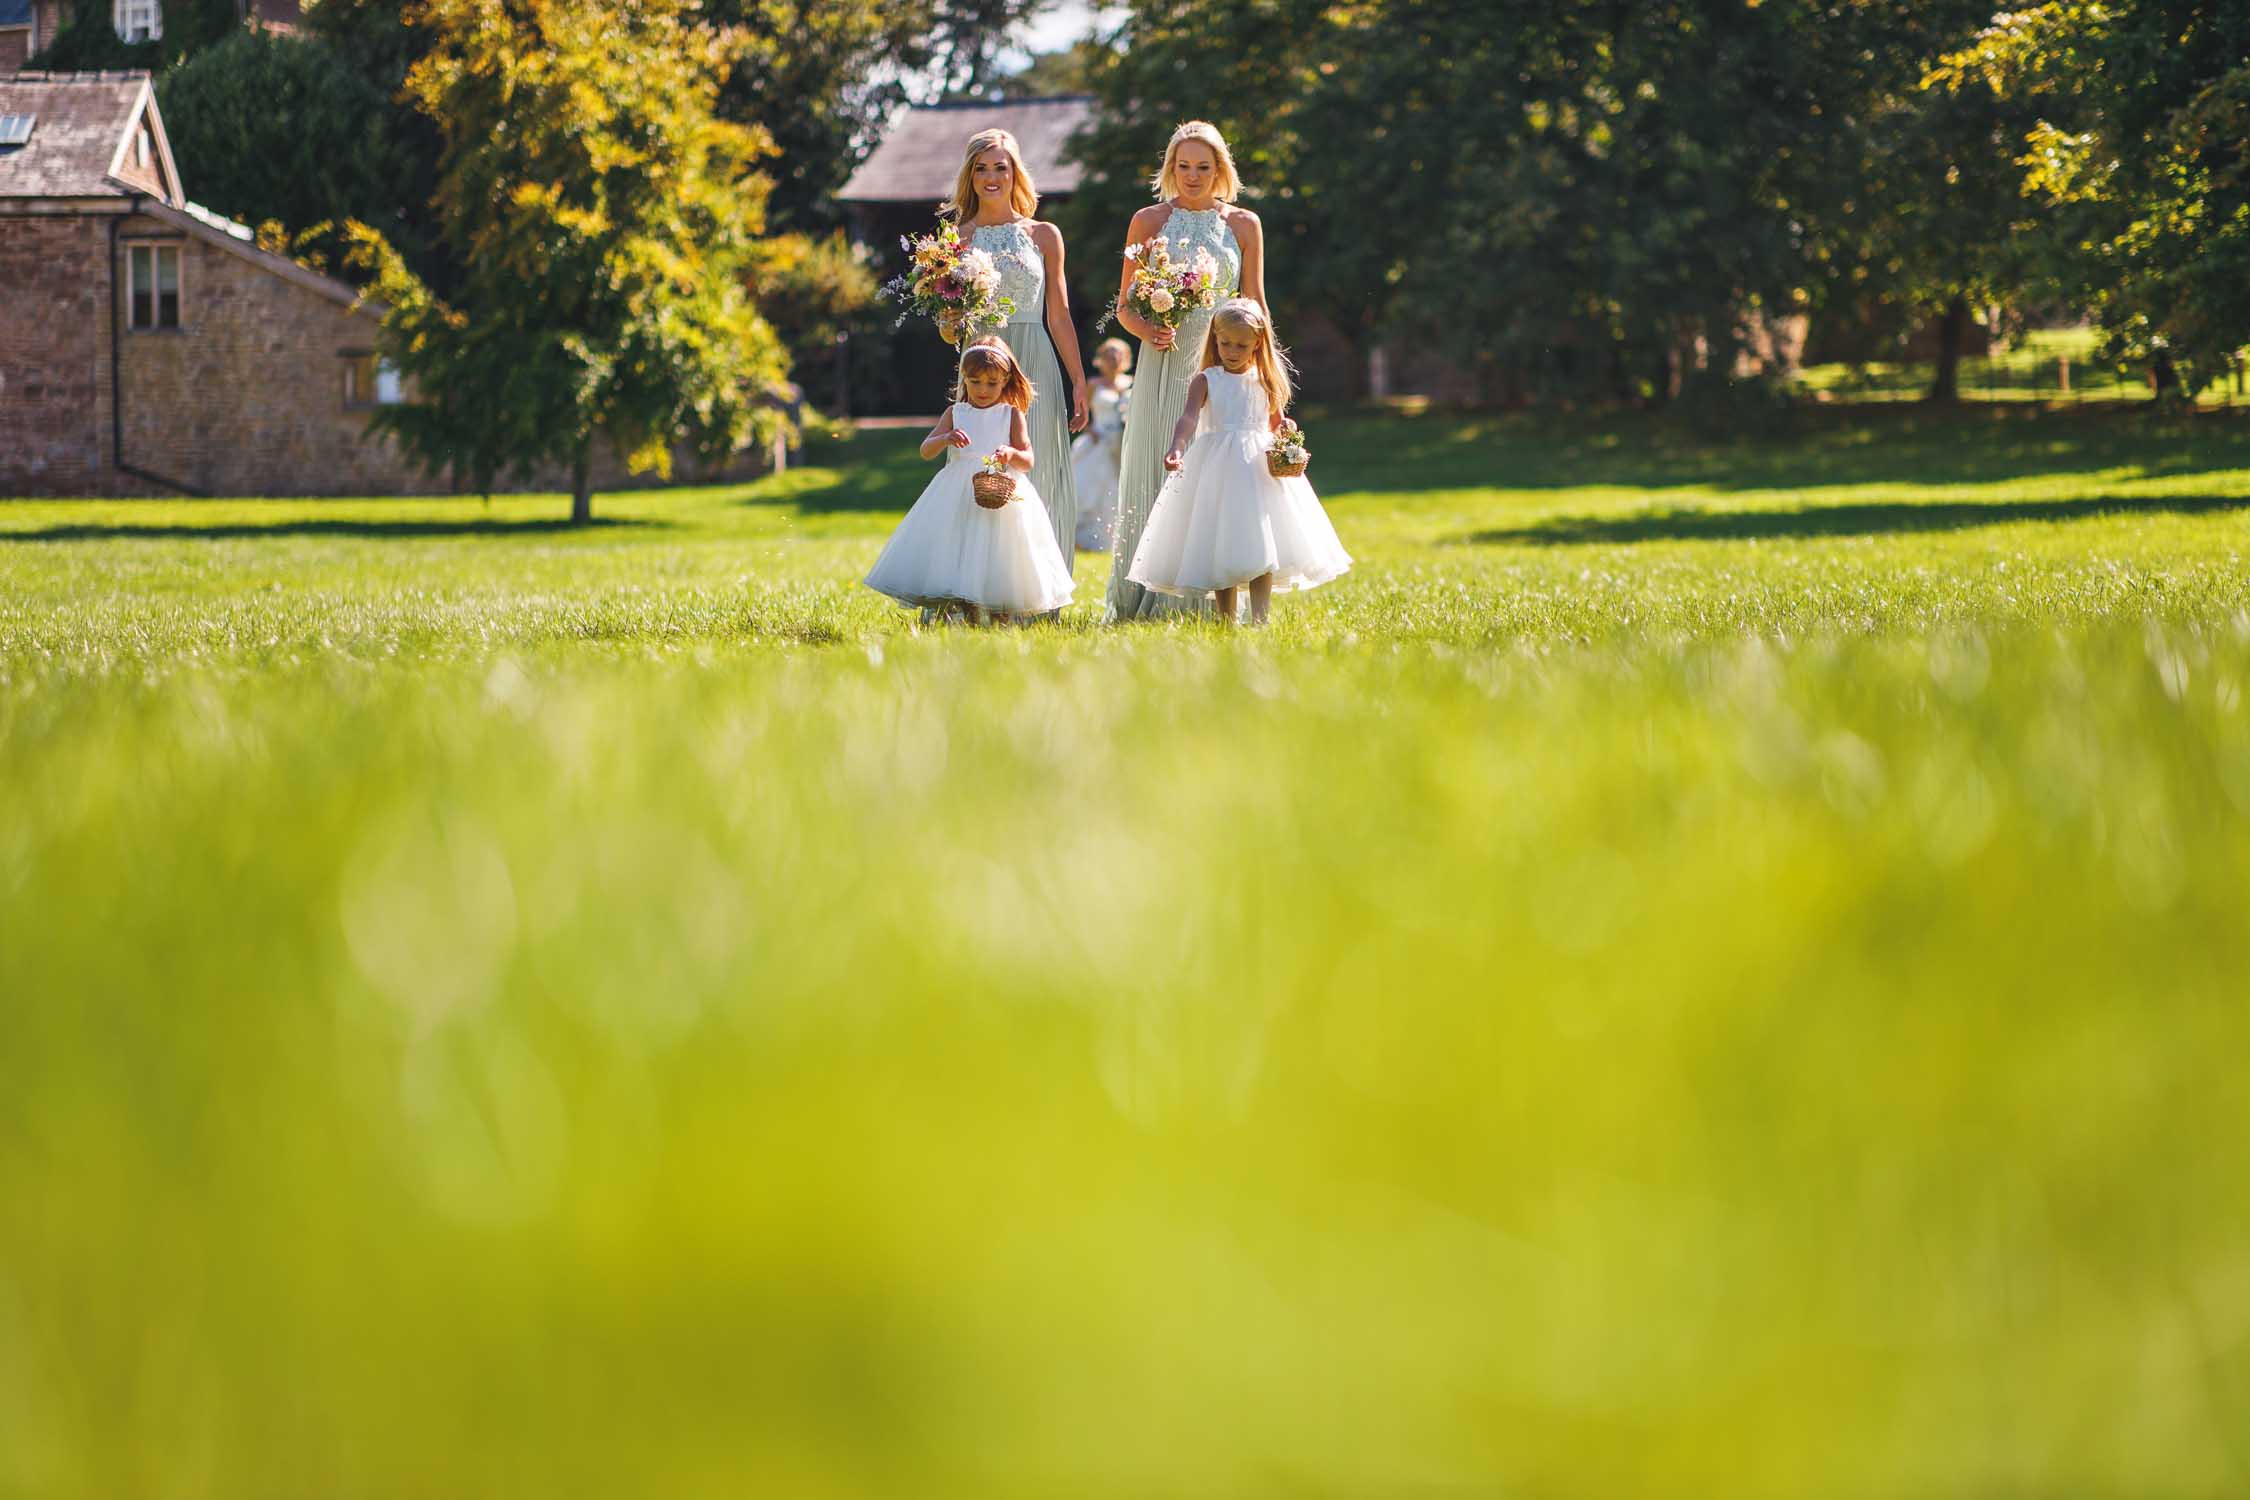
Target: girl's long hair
1242,315
1023,195
1226,184
991,354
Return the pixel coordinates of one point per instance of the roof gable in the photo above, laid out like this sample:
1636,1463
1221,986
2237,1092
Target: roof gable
84,138
920,155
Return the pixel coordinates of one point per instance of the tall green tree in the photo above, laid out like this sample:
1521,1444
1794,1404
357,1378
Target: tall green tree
605,219
293,129
2141,154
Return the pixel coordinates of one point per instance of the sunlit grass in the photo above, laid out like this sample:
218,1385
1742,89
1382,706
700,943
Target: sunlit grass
1701,968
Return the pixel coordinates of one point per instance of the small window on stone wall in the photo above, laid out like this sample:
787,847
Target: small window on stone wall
138,20
152,286
369,381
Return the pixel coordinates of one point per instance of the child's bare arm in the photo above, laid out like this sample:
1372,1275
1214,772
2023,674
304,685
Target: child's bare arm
1183,431
1018,453
942,436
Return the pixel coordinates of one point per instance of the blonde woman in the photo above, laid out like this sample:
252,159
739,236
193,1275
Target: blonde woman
1230,522
992,203
1196,188
1093,458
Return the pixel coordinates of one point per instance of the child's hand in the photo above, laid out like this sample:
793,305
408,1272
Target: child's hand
1172,461
957,438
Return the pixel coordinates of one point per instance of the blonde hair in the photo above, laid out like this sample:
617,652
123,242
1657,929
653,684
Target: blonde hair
1023,195
1271,361
1225,184
990,354
1118,347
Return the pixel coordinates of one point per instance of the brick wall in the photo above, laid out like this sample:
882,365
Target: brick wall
15,48
246,397
54,355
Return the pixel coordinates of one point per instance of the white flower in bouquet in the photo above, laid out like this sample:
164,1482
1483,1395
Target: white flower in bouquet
1160,298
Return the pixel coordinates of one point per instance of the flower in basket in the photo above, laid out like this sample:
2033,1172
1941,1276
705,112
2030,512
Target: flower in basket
954,285
1287,453
992,485
1166,291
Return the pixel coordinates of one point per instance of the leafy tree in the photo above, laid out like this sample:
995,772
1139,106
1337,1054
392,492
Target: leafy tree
814,290
291,129
822,77
605,221
2141,152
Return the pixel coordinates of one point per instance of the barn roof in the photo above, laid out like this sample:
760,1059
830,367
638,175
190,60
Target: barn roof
81,124
921,151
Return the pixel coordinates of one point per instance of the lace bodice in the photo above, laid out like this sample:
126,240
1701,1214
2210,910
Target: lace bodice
1187,232
988,429
1236,403
1023,270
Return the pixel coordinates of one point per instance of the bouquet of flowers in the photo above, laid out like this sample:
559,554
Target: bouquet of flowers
1286,453
955,285
992,484
1165,291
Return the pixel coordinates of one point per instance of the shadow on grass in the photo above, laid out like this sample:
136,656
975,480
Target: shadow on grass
1836,520
878,469
235,530
1803,448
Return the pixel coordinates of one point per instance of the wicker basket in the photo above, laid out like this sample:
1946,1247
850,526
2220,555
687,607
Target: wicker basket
993,490
1281,468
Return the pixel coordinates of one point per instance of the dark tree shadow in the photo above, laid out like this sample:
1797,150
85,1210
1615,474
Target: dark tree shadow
1679,525
1804,448
401,529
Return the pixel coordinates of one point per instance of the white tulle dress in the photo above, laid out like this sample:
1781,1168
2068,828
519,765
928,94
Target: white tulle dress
1093,460
1224,519
951,550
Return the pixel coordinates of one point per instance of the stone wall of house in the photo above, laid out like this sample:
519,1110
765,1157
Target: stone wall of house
15,48
246,396
54,355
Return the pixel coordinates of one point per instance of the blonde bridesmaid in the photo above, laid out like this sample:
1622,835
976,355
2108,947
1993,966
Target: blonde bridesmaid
1197,186
993,202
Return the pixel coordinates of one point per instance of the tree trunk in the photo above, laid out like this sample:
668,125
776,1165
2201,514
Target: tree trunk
581,490
1953,332
2163,375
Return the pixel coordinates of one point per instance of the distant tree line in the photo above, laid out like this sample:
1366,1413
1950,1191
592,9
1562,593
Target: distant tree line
1607,200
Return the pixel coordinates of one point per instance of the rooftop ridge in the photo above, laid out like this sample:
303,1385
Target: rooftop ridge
106,75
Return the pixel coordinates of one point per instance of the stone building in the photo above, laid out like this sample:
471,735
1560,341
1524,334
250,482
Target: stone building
28,27
149,347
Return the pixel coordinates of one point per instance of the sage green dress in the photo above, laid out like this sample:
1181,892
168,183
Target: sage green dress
1023,276
1160,391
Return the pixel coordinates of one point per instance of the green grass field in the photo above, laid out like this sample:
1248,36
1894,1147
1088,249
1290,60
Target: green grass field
1706,966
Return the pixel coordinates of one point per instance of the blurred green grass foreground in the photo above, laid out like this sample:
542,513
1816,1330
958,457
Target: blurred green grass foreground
1700,969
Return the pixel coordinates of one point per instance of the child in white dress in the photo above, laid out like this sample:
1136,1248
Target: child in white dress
950,552
1094,456
1223,520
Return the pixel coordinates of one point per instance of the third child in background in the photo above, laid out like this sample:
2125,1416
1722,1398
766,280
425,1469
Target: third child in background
1095,454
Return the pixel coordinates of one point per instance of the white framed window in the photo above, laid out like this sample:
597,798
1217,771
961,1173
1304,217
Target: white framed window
138,20
152,287
369,381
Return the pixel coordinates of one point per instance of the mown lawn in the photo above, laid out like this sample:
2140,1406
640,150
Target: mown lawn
1709,965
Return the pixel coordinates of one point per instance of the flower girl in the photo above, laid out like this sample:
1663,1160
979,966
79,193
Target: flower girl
952,551
1223,519
1094,456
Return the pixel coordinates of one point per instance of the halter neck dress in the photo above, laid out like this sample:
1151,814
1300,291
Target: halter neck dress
1023,276
1160,392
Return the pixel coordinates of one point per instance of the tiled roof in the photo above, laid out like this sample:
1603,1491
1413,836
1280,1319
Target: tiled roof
15,13
81,120
921,152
